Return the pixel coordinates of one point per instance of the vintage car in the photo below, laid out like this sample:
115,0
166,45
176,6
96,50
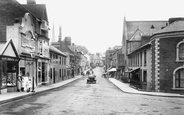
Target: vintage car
91,79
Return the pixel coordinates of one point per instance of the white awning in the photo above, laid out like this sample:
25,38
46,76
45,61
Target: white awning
133,69
112,69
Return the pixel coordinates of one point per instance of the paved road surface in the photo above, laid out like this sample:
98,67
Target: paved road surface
79,98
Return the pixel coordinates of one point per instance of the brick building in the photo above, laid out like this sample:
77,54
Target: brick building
156,61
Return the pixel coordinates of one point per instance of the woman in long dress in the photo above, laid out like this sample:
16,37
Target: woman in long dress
18,83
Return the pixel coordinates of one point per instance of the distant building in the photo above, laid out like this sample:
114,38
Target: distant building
70,61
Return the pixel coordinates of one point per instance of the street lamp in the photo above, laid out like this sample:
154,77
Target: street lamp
33,56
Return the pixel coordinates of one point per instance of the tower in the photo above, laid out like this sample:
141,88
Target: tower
60,35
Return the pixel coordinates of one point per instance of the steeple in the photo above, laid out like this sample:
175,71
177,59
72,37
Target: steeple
60,35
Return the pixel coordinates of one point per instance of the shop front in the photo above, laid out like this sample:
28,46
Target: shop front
43,72
27,67
9,64
135,78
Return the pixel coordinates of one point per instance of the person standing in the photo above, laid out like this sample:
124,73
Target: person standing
18,83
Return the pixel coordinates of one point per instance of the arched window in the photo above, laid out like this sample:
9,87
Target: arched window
180,51
179,78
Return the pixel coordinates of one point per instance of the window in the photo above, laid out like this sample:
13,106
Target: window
59,72
145,61
179,78
60,60
180,51
144,76
141,59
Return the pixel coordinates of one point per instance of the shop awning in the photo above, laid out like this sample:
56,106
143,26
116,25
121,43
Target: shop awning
112,69
133,69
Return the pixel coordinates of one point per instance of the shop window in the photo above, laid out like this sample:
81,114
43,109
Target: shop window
4,74
179,78
22,71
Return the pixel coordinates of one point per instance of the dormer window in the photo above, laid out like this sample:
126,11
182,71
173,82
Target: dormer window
44,25
180,51
152,27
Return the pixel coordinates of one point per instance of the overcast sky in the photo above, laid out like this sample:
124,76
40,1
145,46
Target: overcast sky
98,24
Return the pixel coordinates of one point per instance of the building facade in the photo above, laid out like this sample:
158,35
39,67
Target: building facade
58,69
156,63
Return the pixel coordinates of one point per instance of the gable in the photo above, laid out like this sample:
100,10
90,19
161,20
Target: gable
136,36
9,50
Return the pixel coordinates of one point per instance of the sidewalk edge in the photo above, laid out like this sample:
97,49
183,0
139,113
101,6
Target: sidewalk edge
179,96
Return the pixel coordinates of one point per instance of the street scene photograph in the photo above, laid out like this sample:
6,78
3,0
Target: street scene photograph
91,57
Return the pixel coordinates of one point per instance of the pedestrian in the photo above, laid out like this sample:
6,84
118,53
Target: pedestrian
88,72
21,82
18,83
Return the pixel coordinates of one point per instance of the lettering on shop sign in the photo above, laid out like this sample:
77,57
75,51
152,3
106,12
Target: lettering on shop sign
9,59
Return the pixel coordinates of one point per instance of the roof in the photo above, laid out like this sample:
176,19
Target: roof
173,27
8,49
146,27
62,47
140,48
9,11
136,36
56,50
39,10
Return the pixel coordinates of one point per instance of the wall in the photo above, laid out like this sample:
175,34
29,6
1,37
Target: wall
168,62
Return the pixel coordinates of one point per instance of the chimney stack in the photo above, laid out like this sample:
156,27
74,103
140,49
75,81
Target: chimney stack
68,41
31,2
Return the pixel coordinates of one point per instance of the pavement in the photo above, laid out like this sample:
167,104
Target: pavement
125,87
14,96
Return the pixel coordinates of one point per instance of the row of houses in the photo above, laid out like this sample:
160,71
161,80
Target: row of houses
153,55
25,49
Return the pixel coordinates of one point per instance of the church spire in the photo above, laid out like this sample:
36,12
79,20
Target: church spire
60,33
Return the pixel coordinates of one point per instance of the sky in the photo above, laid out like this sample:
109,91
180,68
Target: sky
98,24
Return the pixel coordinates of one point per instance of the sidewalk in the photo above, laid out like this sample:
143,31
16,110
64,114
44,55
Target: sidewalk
9,97
127,89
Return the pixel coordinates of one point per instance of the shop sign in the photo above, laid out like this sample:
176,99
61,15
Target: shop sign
9,59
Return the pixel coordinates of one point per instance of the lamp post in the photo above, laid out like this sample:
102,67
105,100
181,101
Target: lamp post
33,56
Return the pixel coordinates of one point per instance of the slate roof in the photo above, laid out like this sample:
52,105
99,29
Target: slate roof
62,46
144,26
173,27
52,48
39,10
136,36
9,11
